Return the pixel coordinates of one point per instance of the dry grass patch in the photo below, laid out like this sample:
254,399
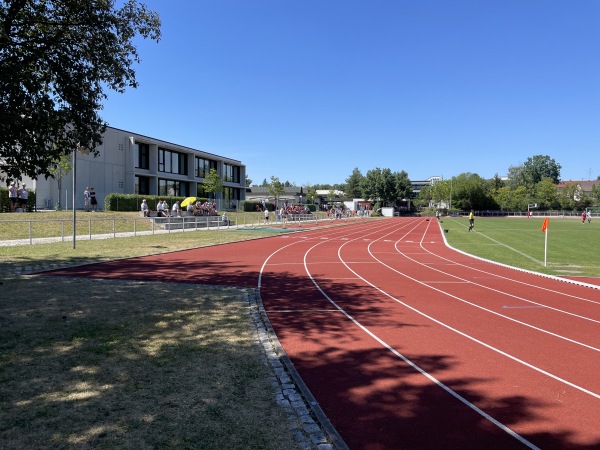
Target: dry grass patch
103,364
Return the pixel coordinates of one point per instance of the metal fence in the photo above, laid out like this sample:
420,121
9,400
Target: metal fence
30,231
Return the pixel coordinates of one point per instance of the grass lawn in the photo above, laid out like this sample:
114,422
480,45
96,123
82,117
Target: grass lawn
105,364
573,247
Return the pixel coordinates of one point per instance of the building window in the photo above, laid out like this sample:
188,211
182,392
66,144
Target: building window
231,197
142,185
172,188
172,162
231,173
142,156
201,192
203,167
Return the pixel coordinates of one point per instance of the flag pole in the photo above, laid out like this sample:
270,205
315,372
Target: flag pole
545,247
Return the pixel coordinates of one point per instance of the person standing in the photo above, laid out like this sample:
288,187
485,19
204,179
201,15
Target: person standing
13,196
588,215
23,196
583,217
86,199
471,221
93,200
266,215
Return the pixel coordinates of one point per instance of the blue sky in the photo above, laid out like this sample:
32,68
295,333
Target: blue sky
307,90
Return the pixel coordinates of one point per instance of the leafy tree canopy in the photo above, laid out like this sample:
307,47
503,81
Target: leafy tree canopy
56,59
352,189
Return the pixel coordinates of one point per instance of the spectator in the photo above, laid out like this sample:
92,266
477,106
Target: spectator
176,209
13,196
145,208
93,200
160,209
86,199
23,196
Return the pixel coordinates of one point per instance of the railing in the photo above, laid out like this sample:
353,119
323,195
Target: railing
29,231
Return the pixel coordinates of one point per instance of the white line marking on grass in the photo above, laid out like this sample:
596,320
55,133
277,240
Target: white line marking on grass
537,261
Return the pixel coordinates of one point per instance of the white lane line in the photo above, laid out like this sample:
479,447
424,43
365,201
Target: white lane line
497,350
414,365
493,290
524,307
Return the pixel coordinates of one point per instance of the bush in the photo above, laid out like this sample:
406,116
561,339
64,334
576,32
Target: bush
251,206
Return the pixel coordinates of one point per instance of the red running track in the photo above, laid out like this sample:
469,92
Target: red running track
408,344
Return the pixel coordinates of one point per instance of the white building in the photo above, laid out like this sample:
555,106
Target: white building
130,163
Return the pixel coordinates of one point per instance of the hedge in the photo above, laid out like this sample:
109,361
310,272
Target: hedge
132,202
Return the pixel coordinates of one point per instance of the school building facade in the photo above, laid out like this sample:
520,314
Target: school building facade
131,163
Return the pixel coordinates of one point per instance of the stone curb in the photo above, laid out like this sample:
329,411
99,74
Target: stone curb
312,429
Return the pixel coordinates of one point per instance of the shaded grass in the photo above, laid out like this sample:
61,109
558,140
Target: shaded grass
61,254
572,246
105,364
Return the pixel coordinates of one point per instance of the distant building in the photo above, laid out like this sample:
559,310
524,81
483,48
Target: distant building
130,163
418,185
585,186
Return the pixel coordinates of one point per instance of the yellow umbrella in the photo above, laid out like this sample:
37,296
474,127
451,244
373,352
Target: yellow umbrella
187,201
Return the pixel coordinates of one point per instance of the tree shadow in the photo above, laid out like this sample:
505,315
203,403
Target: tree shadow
374,399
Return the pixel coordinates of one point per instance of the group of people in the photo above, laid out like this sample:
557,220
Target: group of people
18,196
163,210
89,200
586,215
203,209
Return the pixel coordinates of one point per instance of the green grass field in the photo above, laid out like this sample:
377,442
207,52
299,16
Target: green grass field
573,247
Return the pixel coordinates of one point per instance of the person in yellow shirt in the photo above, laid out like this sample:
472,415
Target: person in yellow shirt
471,221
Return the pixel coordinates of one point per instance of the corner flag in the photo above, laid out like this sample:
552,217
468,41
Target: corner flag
545,225
545,231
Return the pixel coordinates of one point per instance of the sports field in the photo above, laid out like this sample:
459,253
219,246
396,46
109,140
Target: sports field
573,247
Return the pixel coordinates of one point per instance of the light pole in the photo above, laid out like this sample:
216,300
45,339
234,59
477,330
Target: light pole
74,195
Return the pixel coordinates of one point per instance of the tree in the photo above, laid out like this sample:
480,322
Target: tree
546,194
352,188
311,194
569,196
56,60
596,193
213,183
58,170
469,191
539,167
402,185
248,180
276,188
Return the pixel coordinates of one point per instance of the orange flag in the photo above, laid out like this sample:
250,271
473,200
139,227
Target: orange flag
545,225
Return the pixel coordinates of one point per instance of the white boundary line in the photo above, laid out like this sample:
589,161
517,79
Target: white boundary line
408,361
